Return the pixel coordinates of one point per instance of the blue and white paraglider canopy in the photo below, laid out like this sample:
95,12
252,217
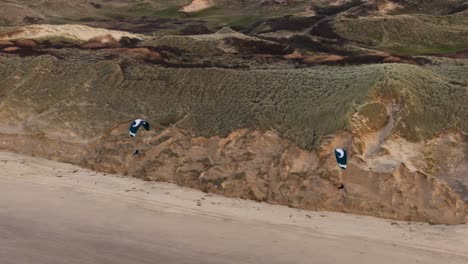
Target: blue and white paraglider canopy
341,157
136,124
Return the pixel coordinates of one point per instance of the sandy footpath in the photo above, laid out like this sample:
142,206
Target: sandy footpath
53,212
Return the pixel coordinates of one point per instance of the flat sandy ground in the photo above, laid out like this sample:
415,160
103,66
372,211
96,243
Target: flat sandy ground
58,213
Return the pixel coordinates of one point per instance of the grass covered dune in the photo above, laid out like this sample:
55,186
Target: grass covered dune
407,34
85,98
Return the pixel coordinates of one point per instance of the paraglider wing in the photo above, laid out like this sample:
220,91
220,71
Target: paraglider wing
341,158
132,131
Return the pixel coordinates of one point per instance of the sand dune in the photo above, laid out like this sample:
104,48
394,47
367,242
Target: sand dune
197,5
53,212
77,32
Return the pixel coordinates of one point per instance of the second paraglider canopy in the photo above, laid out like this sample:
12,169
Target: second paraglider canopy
136,124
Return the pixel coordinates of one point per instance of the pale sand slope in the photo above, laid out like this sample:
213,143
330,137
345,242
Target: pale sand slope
58,213
197,6
77,32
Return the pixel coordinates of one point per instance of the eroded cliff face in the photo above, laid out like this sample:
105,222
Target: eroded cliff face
265,167
395,183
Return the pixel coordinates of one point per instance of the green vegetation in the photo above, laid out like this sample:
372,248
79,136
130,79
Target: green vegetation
166,32
415,50
221,43
406,34
301,104
453,71
218,16
244,15
195,45
62,20
117,16
58,40
169,12
242,21
430,103
431,7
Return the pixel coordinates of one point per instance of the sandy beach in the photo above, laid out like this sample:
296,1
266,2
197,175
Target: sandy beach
53,212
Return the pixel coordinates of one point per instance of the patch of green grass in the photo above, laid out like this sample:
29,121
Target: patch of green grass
138,10
217,16
193,45
55,20
169,12
243,21
414,50
117,16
